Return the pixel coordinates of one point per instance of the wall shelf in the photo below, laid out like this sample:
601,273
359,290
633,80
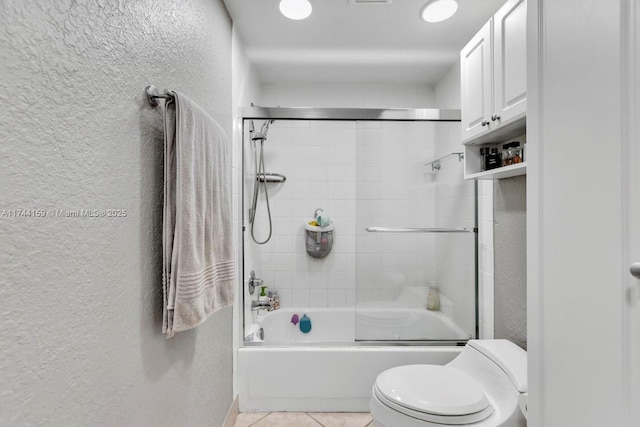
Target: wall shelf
499,173
473,161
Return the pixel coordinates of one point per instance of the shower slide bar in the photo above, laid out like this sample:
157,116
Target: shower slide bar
419,230
435,164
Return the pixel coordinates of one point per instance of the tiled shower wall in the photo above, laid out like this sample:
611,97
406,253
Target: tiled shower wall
319,160
394,190
322,162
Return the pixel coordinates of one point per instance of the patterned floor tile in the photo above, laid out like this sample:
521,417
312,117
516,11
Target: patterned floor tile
329,419
287,419
248,419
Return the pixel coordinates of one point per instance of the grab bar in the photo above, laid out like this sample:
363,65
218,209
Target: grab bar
419,230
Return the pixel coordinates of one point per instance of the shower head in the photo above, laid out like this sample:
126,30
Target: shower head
265,127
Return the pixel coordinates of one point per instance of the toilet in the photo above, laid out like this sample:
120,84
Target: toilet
484,386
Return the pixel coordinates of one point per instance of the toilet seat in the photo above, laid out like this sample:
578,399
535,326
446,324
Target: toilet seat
438,394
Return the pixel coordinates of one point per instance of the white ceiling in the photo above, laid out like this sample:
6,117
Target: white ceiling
341,42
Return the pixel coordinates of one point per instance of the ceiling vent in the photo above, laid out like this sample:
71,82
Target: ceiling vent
361,2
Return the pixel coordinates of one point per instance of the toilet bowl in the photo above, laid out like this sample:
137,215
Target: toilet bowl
483,387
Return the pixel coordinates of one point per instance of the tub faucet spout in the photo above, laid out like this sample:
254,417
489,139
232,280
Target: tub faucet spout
257,305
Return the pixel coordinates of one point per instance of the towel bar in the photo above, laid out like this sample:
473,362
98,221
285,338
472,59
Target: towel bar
419,230
153,95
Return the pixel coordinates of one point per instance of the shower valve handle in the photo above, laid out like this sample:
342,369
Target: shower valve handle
253,282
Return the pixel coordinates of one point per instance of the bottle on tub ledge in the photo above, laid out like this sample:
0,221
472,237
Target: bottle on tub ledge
274,299
433,297
263,293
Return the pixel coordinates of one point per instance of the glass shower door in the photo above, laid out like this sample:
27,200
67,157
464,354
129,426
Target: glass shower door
415,237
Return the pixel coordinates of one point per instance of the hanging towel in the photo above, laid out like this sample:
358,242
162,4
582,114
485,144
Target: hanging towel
198,267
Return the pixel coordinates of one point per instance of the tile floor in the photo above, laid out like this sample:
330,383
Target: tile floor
304,419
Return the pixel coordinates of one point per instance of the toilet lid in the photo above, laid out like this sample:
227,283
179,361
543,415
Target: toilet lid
436,390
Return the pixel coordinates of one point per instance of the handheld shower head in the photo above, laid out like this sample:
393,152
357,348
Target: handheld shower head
265,127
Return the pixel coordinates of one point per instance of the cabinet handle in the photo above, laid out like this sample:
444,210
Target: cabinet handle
485,123
635,270
495,117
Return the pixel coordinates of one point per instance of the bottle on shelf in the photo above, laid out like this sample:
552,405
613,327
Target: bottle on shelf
511,153
494,159
433,297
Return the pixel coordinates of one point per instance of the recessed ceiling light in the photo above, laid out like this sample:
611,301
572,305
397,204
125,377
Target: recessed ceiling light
439,10
295,9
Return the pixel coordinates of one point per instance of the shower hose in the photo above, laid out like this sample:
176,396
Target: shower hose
260,172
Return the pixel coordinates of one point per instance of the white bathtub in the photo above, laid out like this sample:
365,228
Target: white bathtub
326,369
341,325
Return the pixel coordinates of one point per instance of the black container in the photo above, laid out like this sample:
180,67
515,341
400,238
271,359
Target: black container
493,160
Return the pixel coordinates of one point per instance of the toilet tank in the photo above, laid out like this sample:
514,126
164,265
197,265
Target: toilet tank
508,356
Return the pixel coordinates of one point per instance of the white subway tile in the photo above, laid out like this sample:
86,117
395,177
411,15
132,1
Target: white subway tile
337,280
283,279
318,297
337,298
300,297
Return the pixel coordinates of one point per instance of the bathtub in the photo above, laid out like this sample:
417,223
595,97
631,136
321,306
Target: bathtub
327,370
341,325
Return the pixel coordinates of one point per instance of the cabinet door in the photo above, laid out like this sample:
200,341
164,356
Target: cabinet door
632,156
510,61
476,80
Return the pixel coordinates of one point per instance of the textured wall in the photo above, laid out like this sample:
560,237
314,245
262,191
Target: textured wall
81,342
510,214
346,95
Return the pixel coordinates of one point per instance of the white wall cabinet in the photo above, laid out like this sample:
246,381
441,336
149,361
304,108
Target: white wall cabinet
510,61
494,78
476,62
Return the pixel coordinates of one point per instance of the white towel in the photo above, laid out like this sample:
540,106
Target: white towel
198,267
